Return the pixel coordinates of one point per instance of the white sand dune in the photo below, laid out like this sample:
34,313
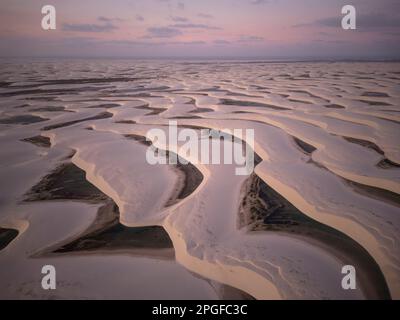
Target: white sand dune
323,105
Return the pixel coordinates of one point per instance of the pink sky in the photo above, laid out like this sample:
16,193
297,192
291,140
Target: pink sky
200,28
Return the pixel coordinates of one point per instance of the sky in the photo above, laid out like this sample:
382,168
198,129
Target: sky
274,29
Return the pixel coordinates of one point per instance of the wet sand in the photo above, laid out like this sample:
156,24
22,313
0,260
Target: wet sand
22,119
6,236
106,234
103,115
230,102
39,141
68,182
189,179
264,210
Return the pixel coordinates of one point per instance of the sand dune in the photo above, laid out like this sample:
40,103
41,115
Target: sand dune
325,191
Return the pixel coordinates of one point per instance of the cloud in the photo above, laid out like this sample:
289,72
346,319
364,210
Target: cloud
108,27
364,22
151,43
256,2
139,17
194,26
178,19
220,41
378,21
242,39
331,41
162,32
205,15
245,38
105,19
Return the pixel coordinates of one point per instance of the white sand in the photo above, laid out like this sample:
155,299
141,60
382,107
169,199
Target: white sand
203,226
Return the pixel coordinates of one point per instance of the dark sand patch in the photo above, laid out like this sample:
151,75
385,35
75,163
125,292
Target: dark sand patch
22,119
375,94
283,95
191,101
66,182
244,112
39,141
237,94
185,117
194,127
193,178
304,146
334,106
202,110
137,95
105,105
4,84
42,98
375,193
189,179
92,80
22,106
232,93
390,120
53,92
191,93
142,89
6,236
106,233
299,101
126,122
103,115
154,110
390,110
374,103
365,143
230,102
138,91
139,138
50,109
264,209
387,164
308,94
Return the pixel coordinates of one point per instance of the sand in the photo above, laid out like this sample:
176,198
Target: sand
327,193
